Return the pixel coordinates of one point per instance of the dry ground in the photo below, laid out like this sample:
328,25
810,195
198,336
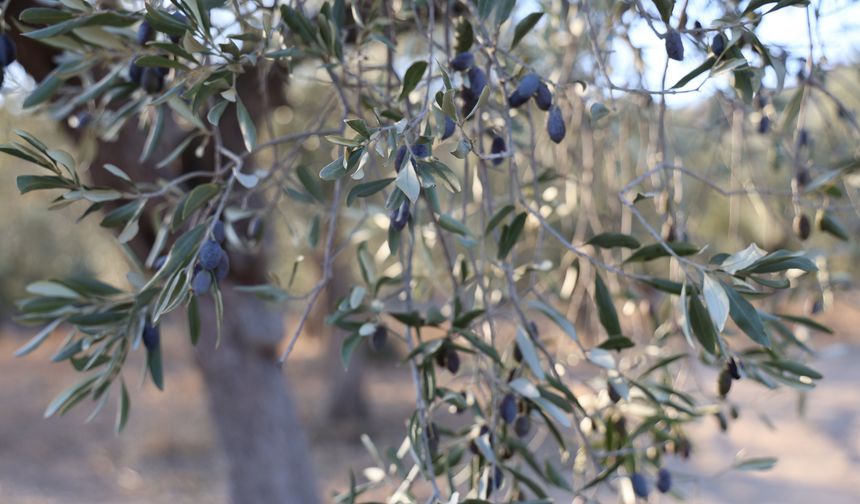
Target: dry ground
167,454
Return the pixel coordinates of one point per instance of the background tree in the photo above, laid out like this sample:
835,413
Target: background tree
500,182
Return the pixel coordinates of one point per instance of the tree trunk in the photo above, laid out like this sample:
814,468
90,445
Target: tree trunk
346,398
258,425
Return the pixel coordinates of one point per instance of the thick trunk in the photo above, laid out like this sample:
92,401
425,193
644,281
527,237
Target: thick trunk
259,427
346,397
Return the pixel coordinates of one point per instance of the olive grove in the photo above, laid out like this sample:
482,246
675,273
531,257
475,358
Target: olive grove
497,189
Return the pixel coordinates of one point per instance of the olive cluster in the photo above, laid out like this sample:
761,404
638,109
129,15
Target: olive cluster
477,80
8,54
151,79
212,261
642,487
531,86
151,336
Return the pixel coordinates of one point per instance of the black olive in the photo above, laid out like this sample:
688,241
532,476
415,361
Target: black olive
718,44
508,408
664,480
555,125
151,336
640,485
378,338
674,45
8,53
543,97
463,61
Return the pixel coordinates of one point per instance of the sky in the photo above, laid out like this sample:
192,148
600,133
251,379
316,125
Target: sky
837,38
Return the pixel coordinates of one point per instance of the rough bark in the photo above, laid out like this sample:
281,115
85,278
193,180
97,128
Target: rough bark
347,401
259,428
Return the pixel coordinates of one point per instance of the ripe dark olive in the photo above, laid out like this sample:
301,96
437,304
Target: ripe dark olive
463,61
522,425
399,158
526,88
470,101
145,33
718,44
803,138
135,73
555,125
697,25
477,81
518,354
508,408
516,100
440,357
498,147
400,216
543,97
684,448
614,396
802,178
724,383
528,85
8,52
732,368
152,80
452,361
802,228
817,306
182,19
201,282
761,101
450,127
640,485
218,232
210,254
159,262
495,481
2,77
764,125
664,480
421,150
223,268
151,336
378,338
674,46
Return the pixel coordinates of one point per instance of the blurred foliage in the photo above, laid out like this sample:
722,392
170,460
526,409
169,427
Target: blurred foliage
37,244
474,220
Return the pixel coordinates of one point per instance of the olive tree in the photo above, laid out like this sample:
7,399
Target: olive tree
501,177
